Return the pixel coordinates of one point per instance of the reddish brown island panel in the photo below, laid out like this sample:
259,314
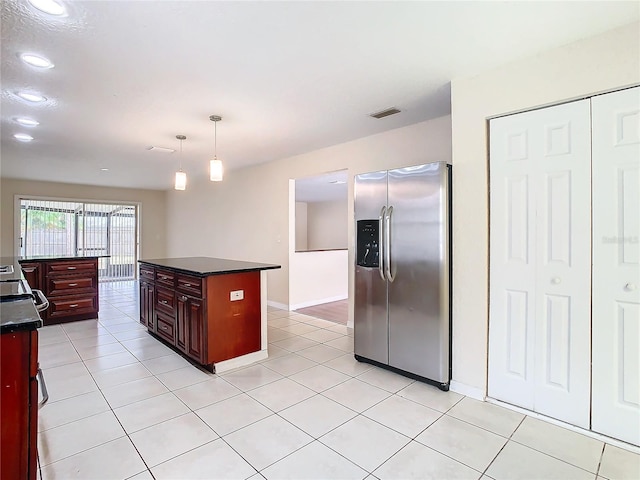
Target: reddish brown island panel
19,404
233,327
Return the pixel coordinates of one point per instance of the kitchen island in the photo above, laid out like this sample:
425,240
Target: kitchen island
211,310
70,282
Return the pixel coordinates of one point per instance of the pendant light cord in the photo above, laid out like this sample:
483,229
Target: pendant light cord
215,140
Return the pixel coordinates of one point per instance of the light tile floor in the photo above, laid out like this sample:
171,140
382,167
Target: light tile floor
123,405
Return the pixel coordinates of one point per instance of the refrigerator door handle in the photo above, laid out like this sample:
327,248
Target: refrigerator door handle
387,250
381,248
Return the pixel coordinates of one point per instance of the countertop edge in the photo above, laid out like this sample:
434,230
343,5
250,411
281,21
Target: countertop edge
208,273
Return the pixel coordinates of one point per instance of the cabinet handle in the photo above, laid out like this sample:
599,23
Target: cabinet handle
74,305
187,284
164,302
43,386
183,298
164,278
555,280
630,287
163,327
71,268
73,284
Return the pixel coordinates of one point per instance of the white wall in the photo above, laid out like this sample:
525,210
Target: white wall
246,216
327,225
152,209
318,277
301,241
597,64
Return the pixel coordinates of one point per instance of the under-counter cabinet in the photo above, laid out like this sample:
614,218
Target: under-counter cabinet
211,310
19,391
69,283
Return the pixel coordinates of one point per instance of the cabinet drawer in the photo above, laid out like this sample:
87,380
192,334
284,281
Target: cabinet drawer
71,284
147,273
70,267
189,285
165,300
67,306
165,277
165,326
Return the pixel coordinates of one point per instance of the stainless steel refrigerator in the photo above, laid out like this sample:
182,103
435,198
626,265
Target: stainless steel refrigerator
402,274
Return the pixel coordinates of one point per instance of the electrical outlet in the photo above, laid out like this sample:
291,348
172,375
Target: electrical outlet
236,295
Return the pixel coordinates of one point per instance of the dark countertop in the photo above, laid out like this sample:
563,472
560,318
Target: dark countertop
206,266
18,315
46,258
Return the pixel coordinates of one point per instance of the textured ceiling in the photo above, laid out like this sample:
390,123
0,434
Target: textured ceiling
287,77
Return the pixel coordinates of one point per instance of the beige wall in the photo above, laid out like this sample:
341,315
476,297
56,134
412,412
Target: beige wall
246,217
327,225
598,64
301,226
152,209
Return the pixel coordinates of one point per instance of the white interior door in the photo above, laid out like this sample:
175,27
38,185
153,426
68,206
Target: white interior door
539,332
616,260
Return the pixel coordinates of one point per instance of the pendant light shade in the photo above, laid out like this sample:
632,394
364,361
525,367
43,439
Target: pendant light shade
181,180
216,169
181,177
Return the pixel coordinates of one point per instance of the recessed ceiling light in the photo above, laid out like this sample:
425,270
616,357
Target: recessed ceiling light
27,122
23,137
49,6
104,169
337,182
31,97
36,60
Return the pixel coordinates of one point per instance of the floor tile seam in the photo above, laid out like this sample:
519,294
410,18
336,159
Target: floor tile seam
183,453
288,374
381,388
481,472
241,456
601,459
508,437
440,414
369,472
316,391
181,386
557,458
213,403
124,434
416,435
84,417
271,414
347,406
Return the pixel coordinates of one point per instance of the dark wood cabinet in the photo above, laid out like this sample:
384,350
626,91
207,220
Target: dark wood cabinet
198,316
32,272
147,300
70,285
19,404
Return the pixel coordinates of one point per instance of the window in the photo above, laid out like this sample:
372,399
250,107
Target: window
49,227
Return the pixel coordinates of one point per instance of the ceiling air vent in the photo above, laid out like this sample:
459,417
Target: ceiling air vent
385,113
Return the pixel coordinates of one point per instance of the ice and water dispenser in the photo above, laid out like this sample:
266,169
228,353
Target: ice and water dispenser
367,237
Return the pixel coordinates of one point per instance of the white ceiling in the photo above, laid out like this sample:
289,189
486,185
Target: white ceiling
326,187
287,77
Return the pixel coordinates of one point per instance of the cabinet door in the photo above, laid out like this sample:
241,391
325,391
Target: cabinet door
182,322
539,335
196,344
616,265
33,274
144,298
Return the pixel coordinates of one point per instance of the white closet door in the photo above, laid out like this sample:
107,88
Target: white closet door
539,332
514,148
616,260
563,264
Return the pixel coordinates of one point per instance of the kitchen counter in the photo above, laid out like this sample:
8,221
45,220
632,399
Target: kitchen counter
205,266
16,315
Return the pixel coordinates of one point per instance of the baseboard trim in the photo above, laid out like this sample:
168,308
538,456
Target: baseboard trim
281,306
467,390
320,301
589,433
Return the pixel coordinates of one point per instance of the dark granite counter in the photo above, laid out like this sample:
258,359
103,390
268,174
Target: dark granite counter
207,266
46,258
18,315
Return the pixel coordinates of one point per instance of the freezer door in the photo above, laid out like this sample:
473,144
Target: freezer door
419,293
371,337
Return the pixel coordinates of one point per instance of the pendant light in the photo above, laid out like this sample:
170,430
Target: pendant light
181,177
215,166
